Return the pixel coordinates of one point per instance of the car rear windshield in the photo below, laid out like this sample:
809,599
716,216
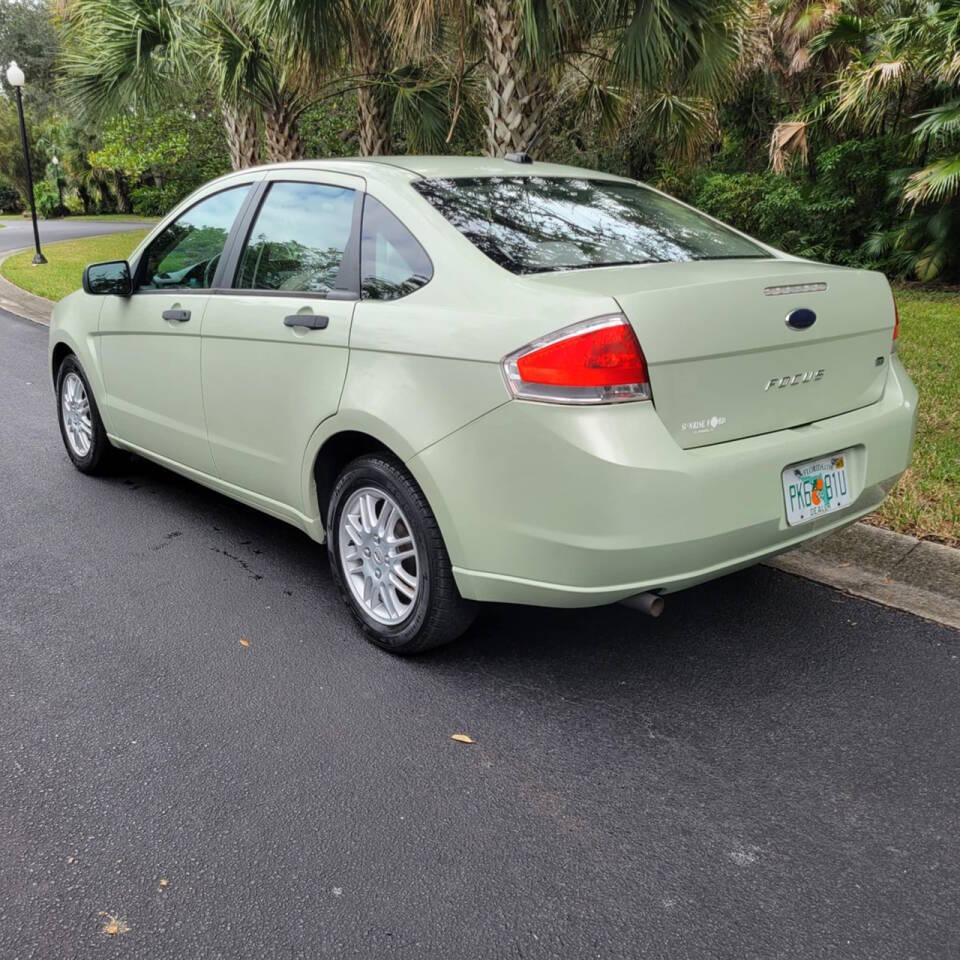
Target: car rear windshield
537,224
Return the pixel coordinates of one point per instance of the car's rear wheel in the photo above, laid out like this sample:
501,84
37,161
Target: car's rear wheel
84,435
389,560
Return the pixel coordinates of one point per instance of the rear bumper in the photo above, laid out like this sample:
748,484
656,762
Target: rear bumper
570,507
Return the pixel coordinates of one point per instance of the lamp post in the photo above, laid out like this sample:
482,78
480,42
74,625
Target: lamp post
56,170
15,78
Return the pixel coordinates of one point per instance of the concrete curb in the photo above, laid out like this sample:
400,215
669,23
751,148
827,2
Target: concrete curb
918,576
19,302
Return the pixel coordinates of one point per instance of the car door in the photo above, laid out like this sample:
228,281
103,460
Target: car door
275,346
150,341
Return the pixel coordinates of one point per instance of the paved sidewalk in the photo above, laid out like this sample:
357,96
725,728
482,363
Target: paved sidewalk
898,571
23,304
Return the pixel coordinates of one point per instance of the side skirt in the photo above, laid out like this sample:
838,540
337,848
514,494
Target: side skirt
311,526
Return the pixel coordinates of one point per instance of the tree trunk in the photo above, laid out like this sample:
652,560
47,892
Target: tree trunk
243,135
280,124
515,93
373,118
124,204
84,194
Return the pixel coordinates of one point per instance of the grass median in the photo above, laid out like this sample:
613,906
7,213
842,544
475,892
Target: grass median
63,272
926,502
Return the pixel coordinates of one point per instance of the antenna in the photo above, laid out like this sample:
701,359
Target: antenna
523,156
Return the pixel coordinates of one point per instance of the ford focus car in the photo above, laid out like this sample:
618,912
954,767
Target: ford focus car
484,380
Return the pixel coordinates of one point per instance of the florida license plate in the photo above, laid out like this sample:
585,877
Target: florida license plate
816,487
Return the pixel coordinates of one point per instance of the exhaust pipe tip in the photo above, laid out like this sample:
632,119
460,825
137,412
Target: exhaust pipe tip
649,603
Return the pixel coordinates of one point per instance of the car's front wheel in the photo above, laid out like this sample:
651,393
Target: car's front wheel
389,560
82,430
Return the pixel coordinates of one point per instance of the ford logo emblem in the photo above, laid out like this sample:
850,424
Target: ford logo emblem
801,319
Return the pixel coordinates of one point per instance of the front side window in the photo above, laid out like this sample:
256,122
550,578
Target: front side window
538,224
392,262
185,255
298,240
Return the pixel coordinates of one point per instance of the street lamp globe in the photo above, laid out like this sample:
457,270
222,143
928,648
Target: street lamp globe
55,161
15,75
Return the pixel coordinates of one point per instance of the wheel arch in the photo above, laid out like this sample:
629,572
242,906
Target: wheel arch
337,451
60,351
351,434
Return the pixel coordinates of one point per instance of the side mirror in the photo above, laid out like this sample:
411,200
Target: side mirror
112,277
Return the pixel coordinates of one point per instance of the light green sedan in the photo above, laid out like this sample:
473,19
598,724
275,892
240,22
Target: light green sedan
489,380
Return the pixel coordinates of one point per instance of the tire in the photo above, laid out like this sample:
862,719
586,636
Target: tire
83,433
377,563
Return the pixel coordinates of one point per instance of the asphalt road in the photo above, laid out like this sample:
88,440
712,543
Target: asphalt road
770,770
19,233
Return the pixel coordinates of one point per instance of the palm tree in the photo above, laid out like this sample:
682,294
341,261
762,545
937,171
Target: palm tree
128,54
520,45
896,68
346,39
255,74
604,50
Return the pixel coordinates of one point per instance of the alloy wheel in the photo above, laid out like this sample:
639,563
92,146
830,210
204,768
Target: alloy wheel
379,555
75,410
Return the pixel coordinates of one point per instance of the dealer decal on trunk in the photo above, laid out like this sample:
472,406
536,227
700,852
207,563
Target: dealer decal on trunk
706,425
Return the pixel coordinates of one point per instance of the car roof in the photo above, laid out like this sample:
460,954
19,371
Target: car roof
388,168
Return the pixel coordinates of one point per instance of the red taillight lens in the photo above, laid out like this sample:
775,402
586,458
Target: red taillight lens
598,361
896,328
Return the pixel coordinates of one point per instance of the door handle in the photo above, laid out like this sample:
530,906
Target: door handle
180,316
309,320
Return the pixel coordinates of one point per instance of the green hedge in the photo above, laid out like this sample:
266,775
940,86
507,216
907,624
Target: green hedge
158,201
828,213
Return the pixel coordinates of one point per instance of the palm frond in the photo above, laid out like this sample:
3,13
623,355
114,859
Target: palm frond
939,123
939,182
683,125
420,107
789,139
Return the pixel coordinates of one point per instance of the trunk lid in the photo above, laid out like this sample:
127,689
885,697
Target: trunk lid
723,362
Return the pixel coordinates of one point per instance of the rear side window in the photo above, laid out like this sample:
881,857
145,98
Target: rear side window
392,262
185,255
298,239
537,224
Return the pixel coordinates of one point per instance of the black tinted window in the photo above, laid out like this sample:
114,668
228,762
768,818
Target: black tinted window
392,262
186,253
298,239
534,224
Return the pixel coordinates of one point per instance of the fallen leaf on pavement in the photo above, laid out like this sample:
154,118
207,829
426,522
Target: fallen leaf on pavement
461,738
244,642
113,925
164,881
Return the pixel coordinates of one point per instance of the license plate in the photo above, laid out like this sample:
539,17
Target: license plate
816,487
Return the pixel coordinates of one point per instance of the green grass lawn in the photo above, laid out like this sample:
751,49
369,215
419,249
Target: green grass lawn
63,272
926,502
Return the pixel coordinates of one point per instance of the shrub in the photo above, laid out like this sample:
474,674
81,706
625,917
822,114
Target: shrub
765,205
47,199
156,201
10,201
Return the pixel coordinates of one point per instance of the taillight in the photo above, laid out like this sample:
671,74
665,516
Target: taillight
896,328
596,361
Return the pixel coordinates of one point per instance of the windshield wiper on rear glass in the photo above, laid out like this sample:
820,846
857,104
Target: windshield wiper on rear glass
735,256
591,266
